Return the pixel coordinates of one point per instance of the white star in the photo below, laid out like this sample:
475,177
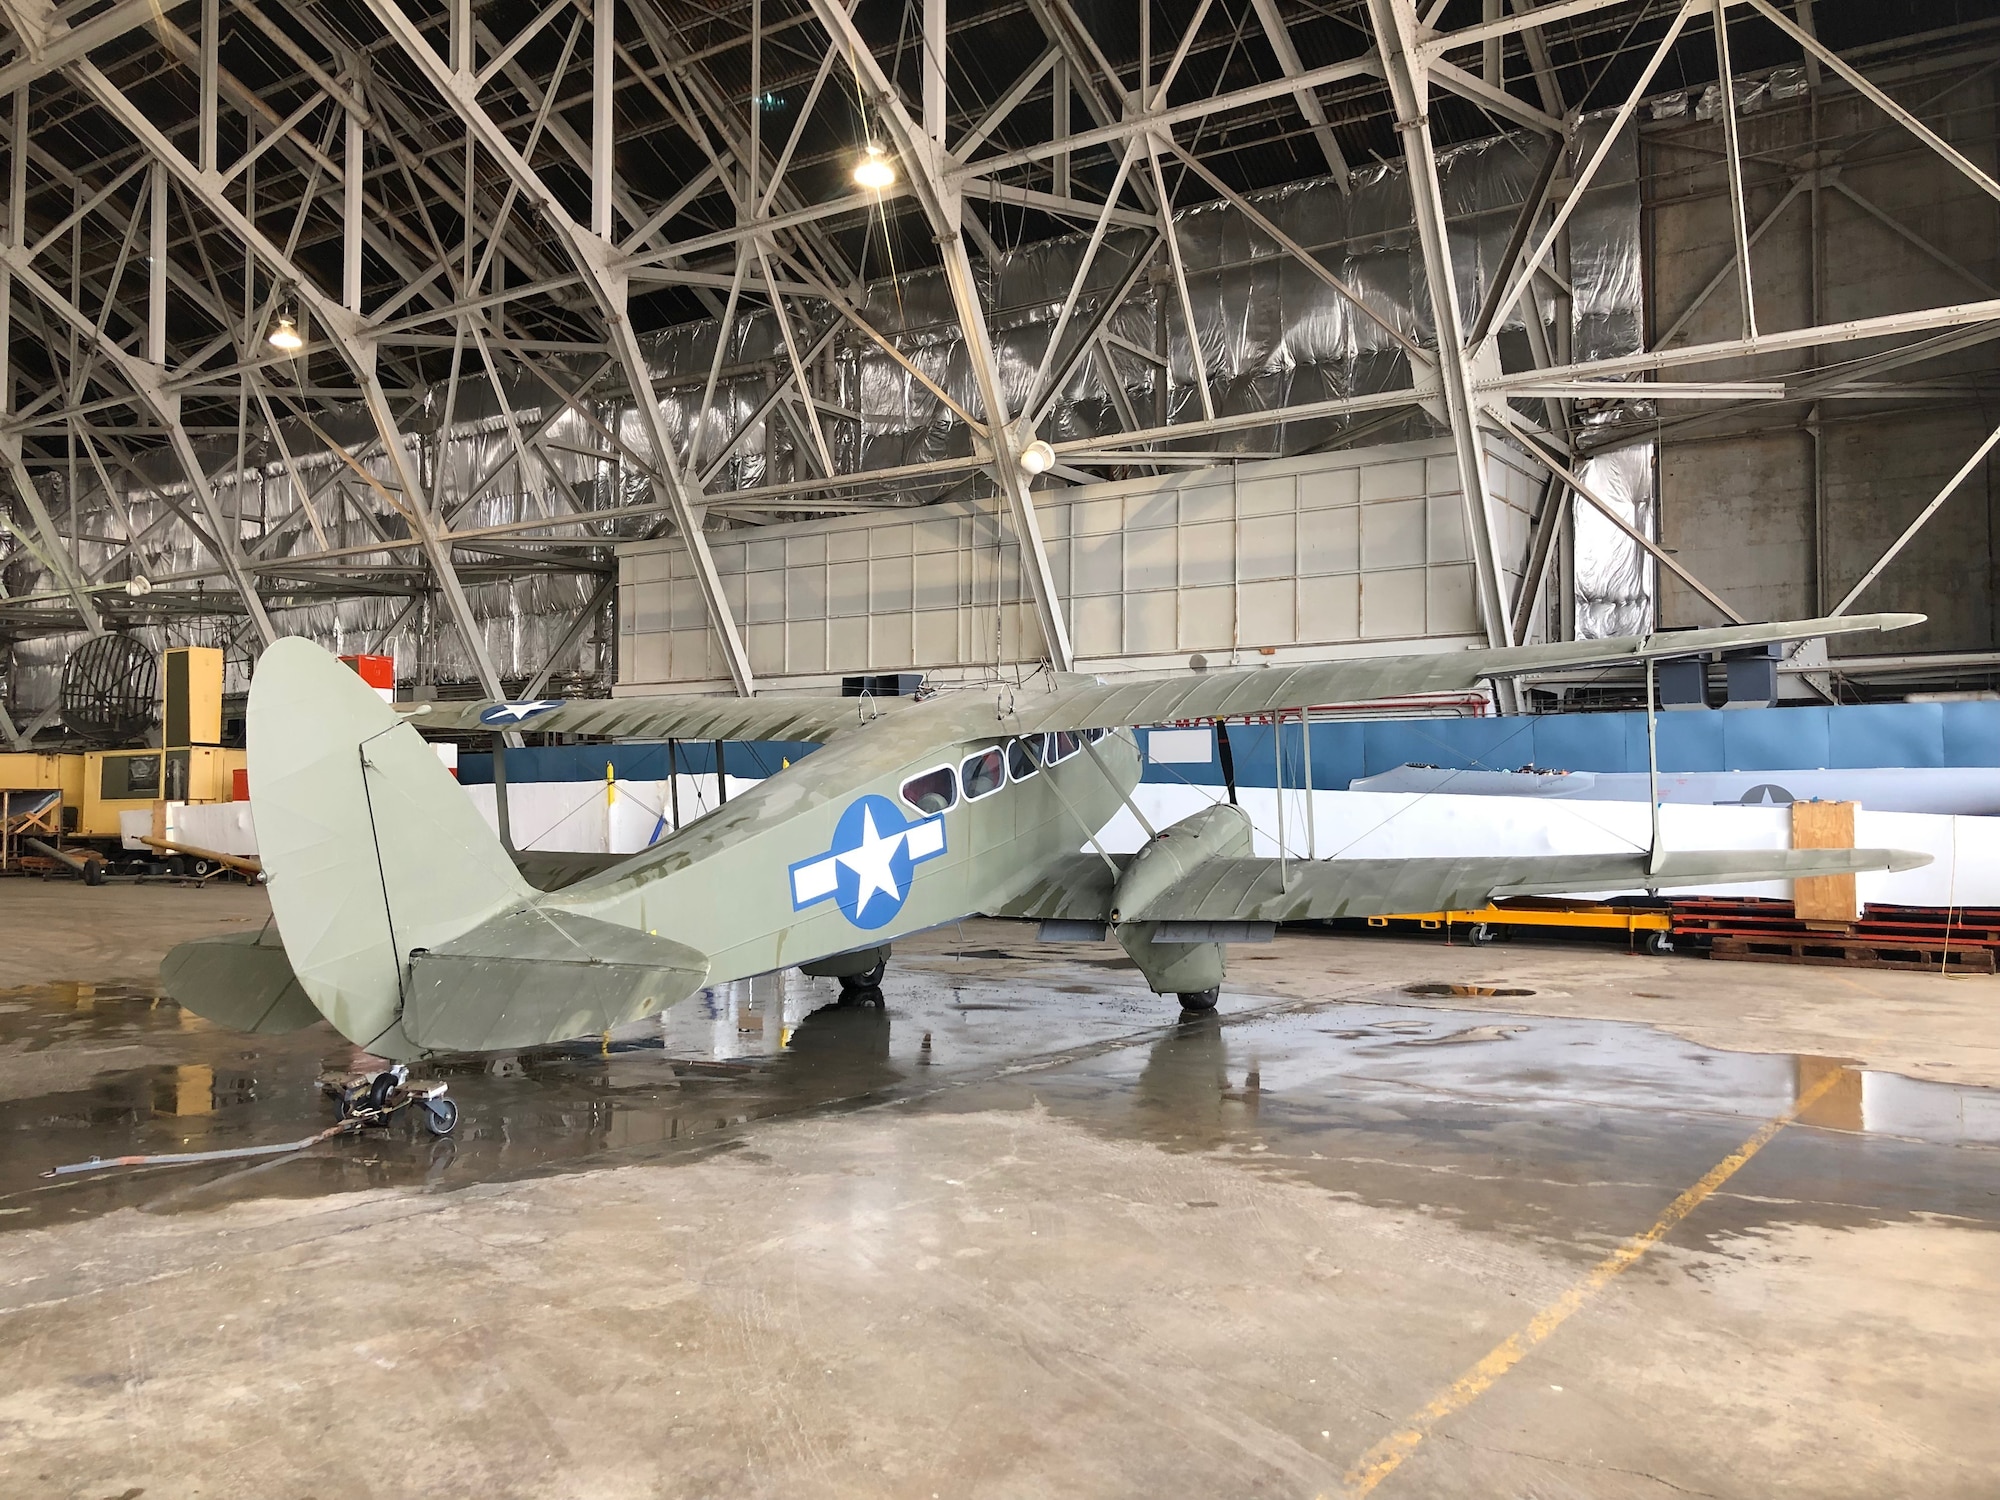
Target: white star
870,860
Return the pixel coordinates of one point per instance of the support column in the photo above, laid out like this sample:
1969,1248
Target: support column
1395,29
925,163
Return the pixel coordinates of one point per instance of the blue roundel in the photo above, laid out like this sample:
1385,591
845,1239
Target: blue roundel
871,864
506,715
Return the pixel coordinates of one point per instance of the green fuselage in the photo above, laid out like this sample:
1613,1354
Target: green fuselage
725,885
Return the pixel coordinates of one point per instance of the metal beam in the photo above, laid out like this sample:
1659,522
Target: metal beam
604,273
926,165
1395,24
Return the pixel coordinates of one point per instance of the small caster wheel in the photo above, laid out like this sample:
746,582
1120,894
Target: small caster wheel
1659,942
1199,1002
93,872
440,1116
1482,933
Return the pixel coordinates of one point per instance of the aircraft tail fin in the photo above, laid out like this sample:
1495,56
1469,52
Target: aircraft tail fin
371,850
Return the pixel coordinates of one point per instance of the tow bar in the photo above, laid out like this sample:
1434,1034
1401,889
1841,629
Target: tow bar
363,1101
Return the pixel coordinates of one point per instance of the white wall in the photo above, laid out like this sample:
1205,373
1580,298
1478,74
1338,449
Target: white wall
1338,553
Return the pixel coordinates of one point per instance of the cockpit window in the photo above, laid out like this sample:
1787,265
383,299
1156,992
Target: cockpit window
1024,757
932,792
983,773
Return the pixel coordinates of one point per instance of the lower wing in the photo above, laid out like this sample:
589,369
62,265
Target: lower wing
1256,890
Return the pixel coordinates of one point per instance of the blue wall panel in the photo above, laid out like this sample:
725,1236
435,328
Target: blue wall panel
1751,739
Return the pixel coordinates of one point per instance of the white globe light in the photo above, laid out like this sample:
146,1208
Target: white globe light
1038,457
285,337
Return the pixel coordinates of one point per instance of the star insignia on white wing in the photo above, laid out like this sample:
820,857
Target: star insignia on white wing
870,860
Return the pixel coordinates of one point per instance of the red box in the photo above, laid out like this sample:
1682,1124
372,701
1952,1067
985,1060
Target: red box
379,672
239,785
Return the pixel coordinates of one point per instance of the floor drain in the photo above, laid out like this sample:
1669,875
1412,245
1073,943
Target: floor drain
1462,991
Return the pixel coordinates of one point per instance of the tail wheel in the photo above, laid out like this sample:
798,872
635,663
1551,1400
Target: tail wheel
1198,1002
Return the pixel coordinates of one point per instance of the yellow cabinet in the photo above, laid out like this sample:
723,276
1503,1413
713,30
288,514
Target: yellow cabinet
35,772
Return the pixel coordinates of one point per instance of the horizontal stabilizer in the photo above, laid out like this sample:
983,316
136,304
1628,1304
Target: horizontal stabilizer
1257,890
531,976
241,980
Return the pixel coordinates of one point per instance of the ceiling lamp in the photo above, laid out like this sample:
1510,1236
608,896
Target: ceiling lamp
874,171
1037,458
285,337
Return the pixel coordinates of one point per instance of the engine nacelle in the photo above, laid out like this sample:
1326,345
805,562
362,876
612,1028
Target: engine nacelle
1191,970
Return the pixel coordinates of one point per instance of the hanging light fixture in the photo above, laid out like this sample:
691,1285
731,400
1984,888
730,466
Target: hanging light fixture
874,171
285,337
1037,458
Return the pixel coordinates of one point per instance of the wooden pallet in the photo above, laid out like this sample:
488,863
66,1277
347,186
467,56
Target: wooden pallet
1836,950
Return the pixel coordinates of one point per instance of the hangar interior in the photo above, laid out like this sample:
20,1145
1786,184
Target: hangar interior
720,360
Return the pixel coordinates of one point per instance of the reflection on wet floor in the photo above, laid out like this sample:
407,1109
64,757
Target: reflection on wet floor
1566,1129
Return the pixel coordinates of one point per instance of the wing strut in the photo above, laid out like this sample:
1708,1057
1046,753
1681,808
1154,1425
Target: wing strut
1654,853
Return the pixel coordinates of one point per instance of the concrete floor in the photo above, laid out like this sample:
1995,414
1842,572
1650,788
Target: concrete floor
1019,1232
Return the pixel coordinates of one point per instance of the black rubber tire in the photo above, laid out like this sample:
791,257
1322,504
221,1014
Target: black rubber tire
1481,934
93,872
440,1116
1659,943
867,979
380,1090
1199,1002
176,866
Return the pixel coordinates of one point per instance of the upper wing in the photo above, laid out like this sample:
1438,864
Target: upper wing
682,718
1230,695
1253,890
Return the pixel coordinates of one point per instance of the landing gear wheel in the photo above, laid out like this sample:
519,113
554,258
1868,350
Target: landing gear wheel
440,1116
380,1090
852,985
176,866
93,872
1199,1002
1659,942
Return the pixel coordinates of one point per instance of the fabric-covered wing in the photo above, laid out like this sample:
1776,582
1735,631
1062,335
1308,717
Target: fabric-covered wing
1250,889
1076,887
682,718
1228,695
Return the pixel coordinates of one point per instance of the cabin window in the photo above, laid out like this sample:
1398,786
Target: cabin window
1094,735
1063,745
932,792
983,773
1024,757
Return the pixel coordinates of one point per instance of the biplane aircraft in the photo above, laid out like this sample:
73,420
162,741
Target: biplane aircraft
400,917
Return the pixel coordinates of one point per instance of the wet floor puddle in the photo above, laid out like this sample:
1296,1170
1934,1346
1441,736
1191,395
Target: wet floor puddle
1567,1128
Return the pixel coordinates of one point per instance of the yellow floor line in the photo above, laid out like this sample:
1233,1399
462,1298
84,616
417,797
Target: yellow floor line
1382,1460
